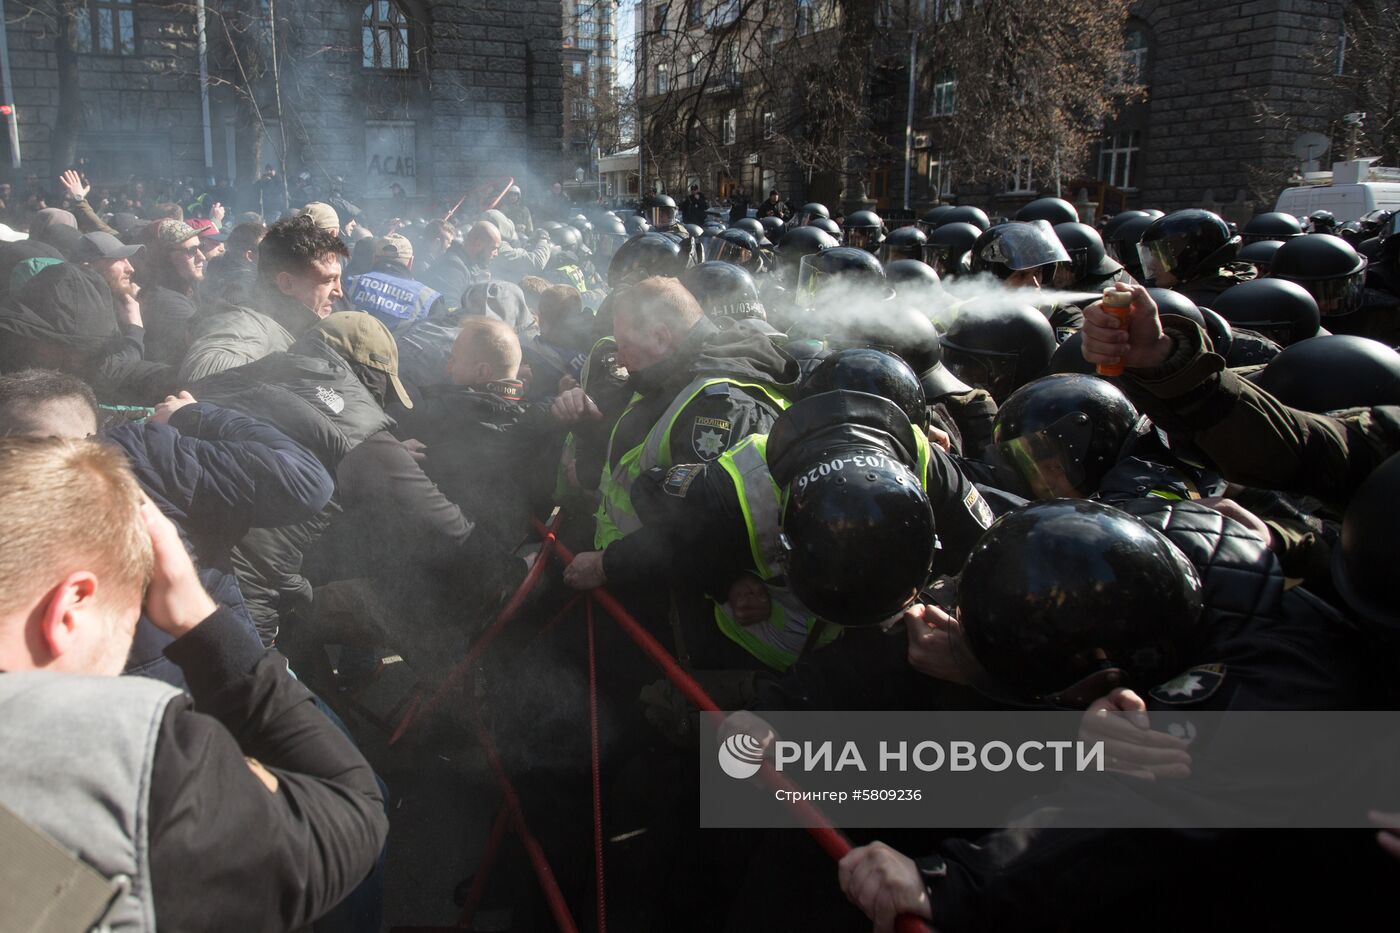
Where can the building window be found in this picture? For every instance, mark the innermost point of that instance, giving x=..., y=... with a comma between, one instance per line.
x=659, y=19
x=940, y=177
x=696, y=61
x=1135, y=57
x=770, y=125
x=1118, y=155
x=945, y=95
x=772, y=40
x=1022, y=178
x=806, y=17
x=697, y=12
x=384, y=37
x=731, y=126
x=947, y=11
x=576, y=69
x=663, y=79
x=107, y=27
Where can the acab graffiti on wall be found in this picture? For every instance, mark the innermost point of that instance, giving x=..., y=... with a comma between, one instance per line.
x=391, y=157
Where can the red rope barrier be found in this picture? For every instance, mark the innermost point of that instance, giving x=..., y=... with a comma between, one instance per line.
x=483, y=872
x=597, y=778
x=511, y=800
x=832, y=841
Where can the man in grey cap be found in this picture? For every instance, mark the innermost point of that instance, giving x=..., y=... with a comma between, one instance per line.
x=111, y=259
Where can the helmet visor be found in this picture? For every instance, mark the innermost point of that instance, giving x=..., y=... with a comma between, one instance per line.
x=1021, y=246
x=661, y=216
x=866, y=238
x=724, y=251
x=810, y=281
x=1157, y=257
x=1340, y=295
x=1051, y=462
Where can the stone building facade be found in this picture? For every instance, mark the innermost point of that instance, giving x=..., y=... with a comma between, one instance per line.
x=1230, y=86
x=435, y=98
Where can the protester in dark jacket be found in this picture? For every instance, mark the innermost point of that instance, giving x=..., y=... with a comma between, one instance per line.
x=212, y=471
x=695, y=208
x=63, y=319
x=233, y=277
x=170, y=278
x=487, y=449
x=465, y=264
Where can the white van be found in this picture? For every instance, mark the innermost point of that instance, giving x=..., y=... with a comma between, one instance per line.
x=1350, y=190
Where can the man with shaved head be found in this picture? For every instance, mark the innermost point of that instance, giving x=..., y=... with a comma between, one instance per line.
x=465, y=264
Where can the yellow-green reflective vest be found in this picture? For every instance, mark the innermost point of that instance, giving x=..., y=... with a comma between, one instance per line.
x=779, y=641
x=616, y=515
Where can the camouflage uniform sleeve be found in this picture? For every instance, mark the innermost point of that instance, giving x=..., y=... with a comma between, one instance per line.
x=1254, y=438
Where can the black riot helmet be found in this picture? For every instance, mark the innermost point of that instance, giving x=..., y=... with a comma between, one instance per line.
x=1219, y=331
x=1170, y=302
x=1186, y=244
x=735, y=246
x=1062, y=601
x=1279, y=309
x=1328, y=267
x=1008, y=248
x=1332, y=372
x=859, y=535
x=724, y=290
x=1363, y=567
x=865, y=230
x=1122, y=217
x=809, y=213
x=845, y=264
x=1063, y=433
x=949, y=246
x=1271, y=225
x=753, y=228
x=998, y=347
x=1260, y=254
x=967, y=215
x=1052, y=210
x=772, y=227
x=933, y=218
x=911, y=278
x=636, y=225
x=1121, y=239
x=644, y=256
x=1088, y=259
x=661, y=210
x=827, y=225
x=797, y=243
x=875, y=372
x=904, y=243
x=1321, y=222
x=900, y=329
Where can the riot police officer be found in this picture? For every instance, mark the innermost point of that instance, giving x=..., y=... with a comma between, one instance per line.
x=1193, y=252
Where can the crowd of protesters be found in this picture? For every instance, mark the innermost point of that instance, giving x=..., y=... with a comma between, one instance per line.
x=248, y=454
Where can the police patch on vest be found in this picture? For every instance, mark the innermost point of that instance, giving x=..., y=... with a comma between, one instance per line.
x=710, y=437
x=1195, y=685
x=331, y=399
x=678, y=479
x=979, y=508
x=1064, y=333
